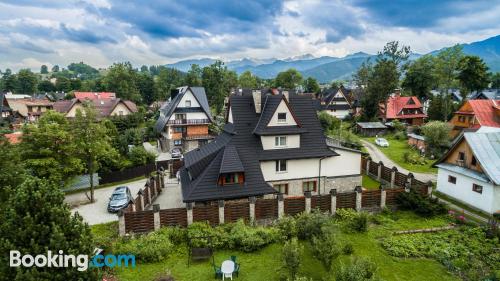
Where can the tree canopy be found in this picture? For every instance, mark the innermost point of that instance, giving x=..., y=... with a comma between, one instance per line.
x=288, y=79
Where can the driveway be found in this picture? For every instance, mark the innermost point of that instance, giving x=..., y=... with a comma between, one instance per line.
x=97, y=212
x=378, y=155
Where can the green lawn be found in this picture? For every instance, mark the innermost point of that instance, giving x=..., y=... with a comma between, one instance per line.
x=265, y=264
x=370, y=183
x=395, y=152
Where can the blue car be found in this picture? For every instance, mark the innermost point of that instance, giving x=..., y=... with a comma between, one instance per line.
x=120, y=199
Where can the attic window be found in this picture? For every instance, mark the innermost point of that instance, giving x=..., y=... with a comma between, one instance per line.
x=231, y=178
x=187, y=103
x=282, y=117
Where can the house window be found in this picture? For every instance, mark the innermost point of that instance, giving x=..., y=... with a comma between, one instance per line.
x=120, y=112
x=187, y=103
x=280, y=141
x=461, y=156
x=231, y=178
x=473, y=161
x=282, y=117
x=180, y=116
x=477, y=188
x=280, y=165
x=281, y=188
x=179, y=129
x=309, y=186
x=452, y=179
x=177, y=142
x=461, y=119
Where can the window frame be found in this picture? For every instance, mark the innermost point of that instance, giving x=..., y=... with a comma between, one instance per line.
x=315, y=185
x=278, y=187
x=187, y=103
x=477, y=188
x=178, y=142
x=461, y=156
x=279, y=166
x=281, y=120
x=278, y=141
x=473, y=161
x=452, y=179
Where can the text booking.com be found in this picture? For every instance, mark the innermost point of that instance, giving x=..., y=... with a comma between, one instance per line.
x=81, y=262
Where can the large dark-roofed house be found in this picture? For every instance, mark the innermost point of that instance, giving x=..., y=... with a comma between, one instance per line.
x=270, y=144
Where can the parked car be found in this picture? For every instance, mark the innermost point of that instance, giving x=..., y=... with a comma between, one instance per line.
x=119, y=199
x=176, y=152
x=381, y=142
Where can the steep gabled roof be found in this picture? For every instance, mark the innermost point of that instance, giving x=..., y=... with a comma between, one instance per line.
x=94, y=95
x=484, y=111
x=168, y=108
x=396, y=104
x=231, y=162
x=270, y=105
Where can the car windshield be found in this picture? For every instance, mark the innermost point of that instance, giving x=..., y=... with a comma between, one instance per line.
x=120, y=196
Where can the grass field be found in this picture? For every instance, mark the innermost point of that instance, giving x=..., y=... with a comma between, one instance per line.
x=370, y=183
x=265, y=264
x=396, y=151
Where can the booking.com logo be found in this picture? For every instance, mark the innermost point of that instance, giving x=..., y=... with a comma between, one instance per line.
x=81, y=262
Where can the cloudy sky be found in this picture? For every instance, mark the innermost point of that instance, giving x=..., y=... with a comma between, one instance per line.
x=99, y=32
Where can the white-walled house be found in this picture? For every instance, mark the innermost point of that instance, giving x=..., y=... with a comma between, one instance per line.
x=470, y=171
x=270, y=144
x=336, y=103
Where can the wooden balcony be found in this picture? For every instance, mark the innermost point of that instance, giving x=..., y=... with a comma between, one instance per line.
x=188, y=122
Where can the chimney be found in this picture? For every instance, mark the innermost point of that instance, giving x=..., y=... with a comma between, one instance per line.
x=286, y=95
x=257, y=100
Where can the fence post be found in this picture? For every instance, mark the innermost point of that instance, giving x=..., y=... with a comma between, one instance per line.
x=132, y=204
x=121, y=223
x=307, y=194
x=221, y=211
x=429, y=188
x=379, y=170
x=156, y=216
x=409, y=182
x=251, y=201
x=140, y=196
x=393, y=176
x=368, y=166
x=148, y=186
x=358, y=191
x=333, y=201
x=383, y=196
x=189, y=209
x=281, y=206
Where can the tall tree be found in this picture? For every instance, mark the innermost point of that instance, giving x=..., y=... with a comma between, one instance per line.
x=121, y=79
x=473, y=73
x=311, y=85
x=144, y=68
x=437, y=137
x=46, y=86
x=92, y=141
x=146, y=86
x=446, y=71
x=9, y=81
x=247, y=80
x=55, y=68
x=217, y=81
x=167, y=79
x=26, y=82
x=63, y=84
x=288, y=79
x=35, y=220
x=49, y=150
x=12, y=172
x=44, y=69
x=361, y=76
x=495, y=80
x=419, y=78
x=193, y=77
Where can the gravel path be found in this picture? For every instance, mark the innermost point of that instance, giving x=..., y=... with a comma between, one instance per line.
x=378, y=155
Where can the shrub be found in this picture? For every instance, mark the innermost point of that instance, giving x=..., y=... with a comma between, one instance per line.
x=325, y=248
x=290, y=256
x=140, y=156
x=357, y=270
x=398, y=126
x=152, y=247
x=309, y=225
x=426, y=207
x=287, y=227
x=400, y=135
x=356, y=221
x=347, y=249
x=328, y=122
x=412, y=157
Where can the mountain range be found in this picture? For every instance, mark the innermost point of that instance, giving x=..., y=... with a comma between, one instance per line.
x=326, y=68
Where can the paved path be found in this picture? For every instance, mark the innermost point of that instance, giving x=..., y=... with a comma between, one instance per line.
x=378, y=155
x=97, y=212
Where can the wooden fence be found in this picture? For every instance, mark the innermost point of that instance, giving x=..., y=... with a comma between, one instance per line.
x=389, y=176
x=127, y=174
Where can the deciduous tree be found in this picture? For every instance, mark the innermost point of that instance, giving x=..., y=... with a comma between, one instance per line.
x=473, y=74
x=121, y=79
x=311, y=85
x=437, y=136
x=446, y=71
x=247, y=80
x=193, y=76
x=288, y=79
x=419, y=78
x=26, y=82
x=44, y=69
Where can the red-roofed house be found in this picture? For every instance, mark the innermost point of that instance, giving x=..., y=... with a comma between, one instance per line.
x=474, y=114
x=94, y=95
x=408, y=110
x=14, y=138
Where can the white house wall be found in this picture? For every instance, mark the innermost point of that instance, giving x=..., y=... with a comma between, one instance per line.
x=230, y=116
x=120, y=107
x=282, y=108
x=268, y=142
x=341, y=114
x=462, y=191
x=192, y=115
x=188, y=96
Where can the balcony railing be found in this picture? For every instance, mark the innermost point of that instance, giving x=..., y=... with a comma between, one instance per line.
x=188, y=121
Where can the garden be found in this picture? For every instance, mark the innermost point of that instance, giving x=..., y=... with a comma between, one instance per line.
x=348, y=246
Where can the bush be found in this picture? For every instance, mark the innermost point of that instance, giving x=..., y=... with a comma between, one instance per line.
x=328, y=122
x=287, y=227
x=357, y=270
x=139, y=156
x=356, y=221
x=290, y=255
x=309, y=225
x=423, y=206
x=398, y=126
x=325, y=248
x=400, y=135
x=152, y=247
x=360, y=222
x=348, y=249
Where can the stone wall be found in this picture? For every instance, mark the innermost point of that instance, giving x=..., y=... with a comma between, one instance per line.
x=341, y=184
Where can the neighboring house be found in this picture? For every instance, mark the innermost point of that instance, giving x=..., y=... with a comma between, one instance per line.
x=354, y=97
x=336, y=103
x=370, y=129
x=184, y=120
x=470, y=171
x=270, y=144
x=476, y=113
x=28, y=108
x=5, y=110
x=417, y=141
x=487, y=94
x=104, y=107
x=94, y=95
x=408, y=110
